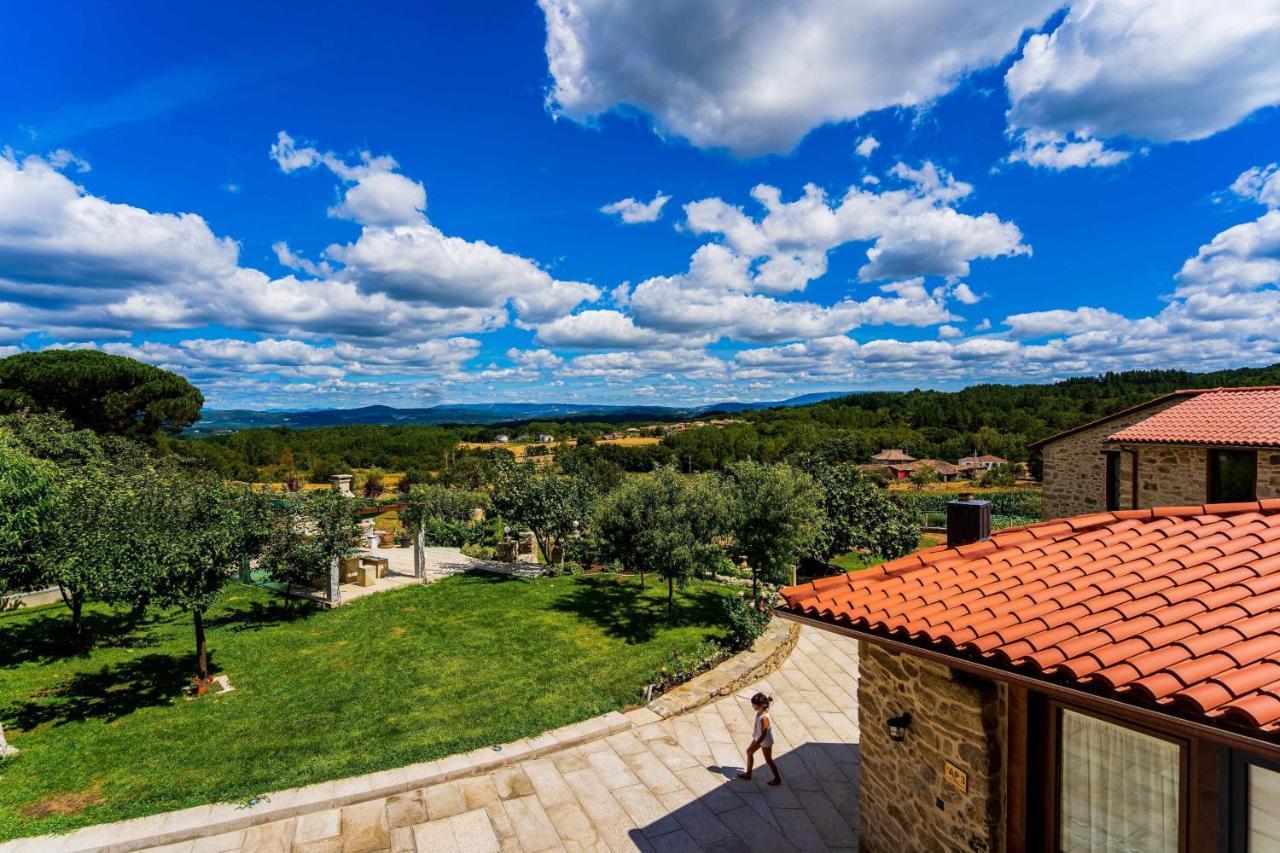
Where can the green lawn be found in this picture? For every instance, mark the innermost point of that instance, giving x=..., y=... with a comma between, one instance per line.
x=388, y=680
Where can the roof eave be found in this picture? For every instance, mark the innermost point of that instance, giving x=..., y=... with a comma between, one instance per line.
x=1219, y=729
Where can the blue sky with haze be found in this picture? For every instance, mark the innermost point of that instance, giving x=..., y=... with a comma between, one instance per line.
x=578, y=200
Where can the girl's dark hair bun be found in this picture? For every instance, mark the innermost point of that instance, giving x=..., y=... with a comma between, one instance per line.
x=762, y=700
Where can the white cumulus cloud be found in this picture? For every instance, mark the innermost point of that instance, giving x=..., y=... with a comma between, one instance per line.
x=755, y=76
x=1160, y=70
x=632, y=212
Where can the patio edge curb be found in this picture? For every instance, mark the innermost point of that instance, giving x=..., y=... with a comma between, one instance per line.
x=203, y=821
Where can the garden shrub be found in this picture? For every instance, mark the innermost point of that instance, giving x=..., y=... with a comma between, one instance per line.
x=745, y=618
x=678, y=667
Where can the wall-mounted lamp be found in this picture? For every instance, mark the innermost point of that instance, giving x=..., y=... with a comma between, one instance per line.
x=898, y=726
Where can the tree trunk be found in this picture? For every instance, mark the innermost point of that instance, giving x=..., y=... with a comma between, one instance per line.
x=671, y=597
x=755, y=584
x=202, y=658
x=75, y=602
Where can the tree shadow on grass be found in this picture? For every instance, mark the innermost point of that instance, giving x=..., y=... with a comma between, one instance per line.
x=621, y=608
x=44, y=635
x=105, y=694
x=254, y=615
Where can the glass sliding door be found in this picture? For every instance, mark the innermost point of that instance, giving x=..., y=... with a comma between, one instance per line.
x=1118, y=788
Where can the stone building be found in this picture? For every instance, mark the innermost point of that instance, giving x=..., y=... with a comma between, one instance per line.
x=1185, y=448
x=1105, y=682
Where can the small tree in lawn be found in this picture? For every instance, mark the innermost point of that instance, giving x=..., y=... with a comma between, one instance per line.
x=663, y=523
x=88, y=550
x=922, y=475
x=690, y=518
x=549, y=503
x=210, y=528
x=775, y=514
x=857, y=515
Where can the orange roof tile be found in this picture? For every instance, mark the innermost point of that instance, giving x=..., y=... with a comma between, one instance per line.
x=1248, y=417
x=1175, y=609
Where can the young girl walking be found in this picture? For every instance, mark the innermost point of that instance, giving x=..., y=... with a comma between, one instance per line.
x=762, y=739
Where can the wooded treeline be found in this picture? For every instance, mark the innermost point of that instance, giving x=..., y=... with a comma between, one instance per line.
x=988, y=418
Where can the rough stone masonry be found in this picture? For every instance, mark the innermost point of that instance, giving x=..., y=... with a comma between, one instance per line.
x=905, y=798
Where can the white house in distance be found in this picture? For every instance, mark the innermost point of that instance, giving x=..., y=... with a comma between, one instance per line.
x=502, y=438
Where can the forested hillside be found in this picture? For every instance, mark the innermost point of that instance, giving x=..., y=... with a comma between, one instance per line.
x=998, y=419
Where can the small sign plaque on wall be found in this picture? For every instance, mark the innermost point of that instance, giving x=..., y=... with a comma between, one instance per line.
x=955, y=777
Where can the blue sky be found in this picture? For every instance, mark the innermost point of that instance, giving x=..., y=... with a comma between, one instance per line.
x=403, y=205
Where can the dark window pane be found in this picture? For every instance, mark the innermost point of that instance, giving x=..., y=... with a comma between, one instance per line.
x=1232, y=475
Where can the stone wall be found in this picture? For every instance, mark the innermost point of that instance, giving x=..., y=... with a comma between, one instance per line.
x=1075, y=469
x=905, y=802
x=1268, y=474
x=1172, y=476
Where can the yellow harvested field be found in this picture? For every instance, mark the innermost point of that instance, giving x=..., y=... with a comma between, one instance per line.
x=631, y=440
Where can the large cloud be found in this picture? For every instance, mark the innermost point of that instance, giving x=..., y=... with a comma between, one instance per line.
x=403, y=255
x=731, y=287
x=1160, y=70
x=755, y=76
x=78, y=266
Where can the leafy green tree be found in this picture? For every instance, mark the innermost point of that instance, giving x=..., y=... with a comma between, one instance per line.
x=210, y=528
x=28, y=492
x=434, y=502
x=549, y=503
x=922, y=475
x=305, y=535
x=775, y=514
x=665, y=523
x=101, y=392
x=857, y=515
x=1004, y=474
x=92, y=548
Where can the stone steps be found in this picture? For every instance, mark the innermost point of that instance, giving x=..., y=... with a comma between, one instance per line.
x=468, y=832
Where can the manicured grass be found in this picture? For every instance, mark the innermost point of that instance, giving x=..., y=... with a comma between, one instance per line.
x=855, y=560
x=388, y=680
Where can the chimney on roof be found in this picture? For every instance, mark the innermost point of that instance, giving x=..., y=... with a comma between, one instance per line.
x=968, y=521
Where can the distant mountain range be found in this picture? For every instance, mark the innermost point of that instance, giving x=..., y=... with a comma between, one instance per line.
x=214, y=421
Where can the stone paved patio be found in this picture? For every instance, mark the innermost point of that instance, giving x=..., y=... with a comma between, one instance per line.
x=662, y=785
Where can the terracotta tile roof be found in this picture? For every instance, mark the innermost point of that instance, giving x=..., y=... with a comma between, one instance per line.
x=1175, y=609
x=1233, y=416
x=982, y=460
x=893, y=455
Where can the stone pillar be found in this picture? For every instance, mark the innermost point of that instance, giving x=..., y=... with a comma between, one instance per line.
x=419, y=558
x=941, y=787
x=5, y=749
x=340, y=483
x=333, y=594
